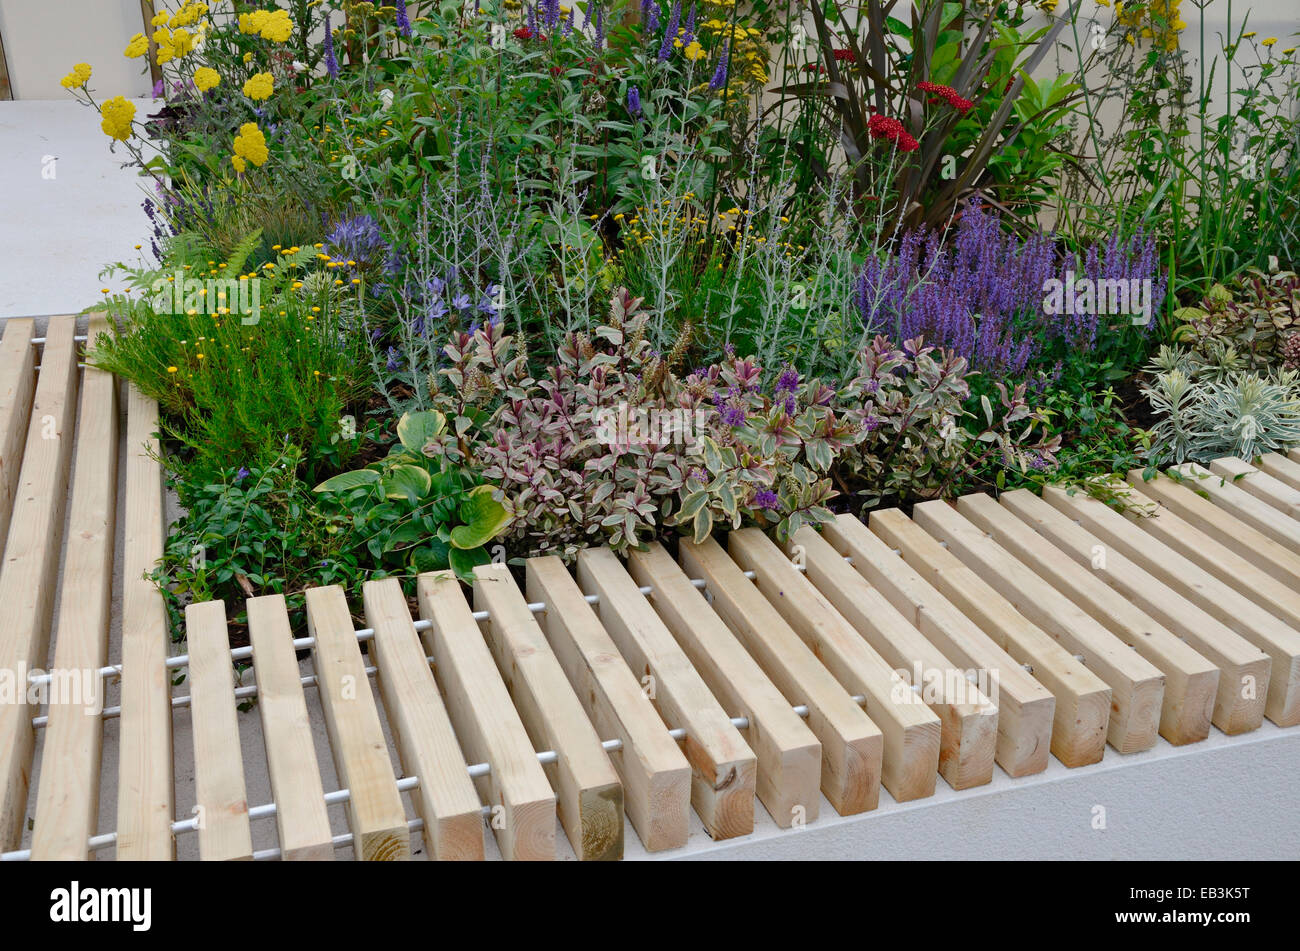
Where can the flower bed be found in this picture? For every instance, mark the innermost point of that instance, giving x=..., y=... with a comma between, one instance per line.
x=436, y=286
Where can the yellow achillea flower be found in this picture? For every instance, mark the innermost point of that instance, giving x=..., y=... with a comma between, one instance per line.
x=250, y=145
x=270, y=25
x=205, y=77
x=259, y=86
x=1270, y=41
x=117, y=114
x=693, y=51
x=78, y=78
x=138, y=46
x=160, y=19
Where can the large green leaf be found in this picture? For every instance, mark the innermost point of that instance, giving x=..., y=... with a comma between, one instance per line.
x=483, y=518
x=348, y=480
x=415, y=430
x=432, y=556
x=406, y=482
x=463, y=561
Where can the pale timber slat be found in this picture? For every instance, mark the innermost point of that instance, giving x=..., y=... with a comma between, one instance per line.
x=1083, y=700
x=656, y=775
x=852, y=745
x=445, y=799
x=67, y=802
x=1137, y=685
x=722, y=766
x=1245, y=506
x=145, y=790
x=789, y=756
x=1256, y=605
x=1145, y=598
x=220, y=792
x=375, y=812
x=1025, y=707
x=17, y=383
x=969, y=719
x=1280, y=467
x=1260, y=484
x=911, y=732
x=489, y=729
x=1249, y=544
x=589, y=796
x=29, y=570
x=300, y=814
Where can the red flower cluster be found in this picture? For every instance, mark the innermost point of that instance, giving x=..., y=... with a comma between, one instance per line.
x=845, y=56
x=948, y=94
x=523, y=33
x=883, y=127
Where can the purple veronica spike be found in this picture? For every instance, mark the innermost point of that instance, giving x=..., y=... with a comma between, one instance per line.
x=550, y=13
x=689, y=38
x=532, y=19
x=403, y=21
x=568, y=23
x=650, y=13
x=670, y=32
x=720, y=74
x=331, y=63
x=600, y=27
x=634, y=101
x=586, y=15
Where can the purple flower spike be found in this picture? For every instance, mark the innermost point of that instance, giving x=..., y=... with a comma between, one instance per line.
x=689, y=38
x=765, y=499
x=331, y=63
x=670, y=32
x=720, y=74
x=600, y=27
x=403, y=21
x=634, y=101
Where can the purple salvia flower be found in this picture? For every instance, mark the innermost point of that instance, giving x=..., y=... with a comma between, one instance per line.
x=765, y=499
x=403, y=21
x=331, y=63
x=634, y=101
x=550, y=13
x=670, y=32
x=393, y=363
x=720, y=74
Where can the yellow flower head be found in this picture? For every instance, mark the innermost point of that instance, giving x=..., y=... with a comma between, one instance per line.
x=1270, y=41
x=259, y=86
x=693, y=51
x=278, y=27
x=78, y=78
x=117, y=114
x=238, y=162
x=250, y=144
x=138, y=46
x=205, y=78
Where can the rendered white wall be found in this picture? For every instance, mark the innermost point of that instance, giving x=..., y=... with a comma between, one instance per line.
x=44, y=38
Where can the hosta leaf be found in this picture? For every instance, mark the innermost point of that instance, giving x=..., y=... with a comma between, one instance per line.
x=348, y=480
x=483, y=518
x=432, y=556
x=465, y=560
x=406, y=482
x=415, y=430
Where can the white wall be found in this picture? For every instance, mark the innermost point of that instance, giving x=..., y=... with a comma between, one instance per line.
x=44, y=38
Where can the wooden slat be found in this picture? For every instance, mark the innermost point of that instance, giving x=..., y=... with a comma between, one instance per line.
x=29, y=570
x=911, y=732
x=1190, y=500
x=788, y=755
x=375, y=812
x=1260, y=484
x=1285, y=470
x=589, y=796
x=852, y=745
x=487, y=725
x=67, y=802
x=723, y=767
x=220, y=792
x=1249, y=601
x=1239, y=662
x=969, y=719
x=445, y=799
x=17, y=383
x=1025, y=707
x=1243, y=505
x=300, y=814
x=145, y=791
x=1019, y=563
x=656, y=775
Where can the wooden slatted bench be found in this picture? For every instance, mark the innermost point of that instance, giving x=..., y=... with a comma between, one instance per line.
x=585, y=710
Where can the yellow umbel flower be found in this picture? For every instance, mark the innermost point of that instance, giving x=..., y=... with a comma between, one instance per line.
x=278, y=27
x=78, y=78
x=250, y=144
x=238, y=162
x=117, y=114
x=252, y=22
x=205, y=78
x=138, y=46
x=1269, y=42
x=259, y=86
x=182, y=43
x=160, y=19
x=693, y=51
